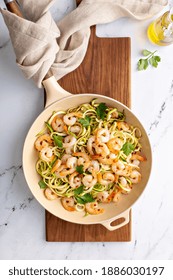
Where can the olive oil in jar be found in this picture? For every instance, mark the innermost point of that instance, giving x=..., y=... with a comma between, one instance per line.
x=160, y=31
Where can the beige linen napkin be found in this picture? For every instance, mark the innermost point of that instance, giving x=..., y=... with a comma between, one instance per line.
x=40, y=44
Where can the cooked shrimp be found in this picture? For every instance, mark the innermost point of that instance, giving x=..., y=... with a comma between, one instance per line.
x=106, y=167
x=49, y=194
x=124, y=185
x=70, y=119
x=114, y=114
x=118, y=168
x=102, y=196
x=128, y=169
x=80, y=161
x=135, y=162
x=90, y=146
x=58, y=171
x=46, y=154
x=106, y=179
x=75, y=129
x=89, y=180
x=115, y=144
x=75, y=180
x=102, y=149
x=138, y=157
x=135, y=177
x=123, y=126
x=109, y=159
x=71, y=162
x=58, y=124
x=65, y=157
x=83, y=159
x=43, y=141
x=102, y=135
x=110, y=197
x=69, y=141
x=68, y=203
x=56, y=165
x=94, y=166
x=113, y=196
x=66, y=171
x=117, y=195
x=92, y=208
x=116, y=178
x=123, y=181
x=69, y=150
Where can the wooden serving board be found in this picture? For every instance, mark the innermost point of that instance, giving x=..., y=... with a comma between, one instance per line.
x=105, y=70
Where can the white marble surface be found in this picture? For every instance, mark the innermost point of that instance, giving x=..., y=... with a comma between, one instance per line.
x=22, y=219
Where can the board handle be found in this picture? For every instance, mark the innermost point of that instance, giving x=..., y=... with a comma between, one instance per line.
x=78, y=2
x=13, y=7
x=126, y=218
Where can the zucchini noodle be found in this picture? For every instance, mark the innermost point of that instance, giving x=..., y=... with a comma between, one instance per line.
x=88, y=155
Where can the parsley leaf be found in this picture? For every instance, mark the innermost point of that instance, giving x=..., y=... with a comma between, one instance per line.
x=127, y=148
x=146, y=52
x=142, y=64
x=157, y=58
x=82, y=199
x=85, y=121
x=101, y=111
x=78, y=190
x=154, y=61
x=79, y=200
x=42, y=184
x=79, y=169
x=58, y=140
x=85, y=198
x=151, y=59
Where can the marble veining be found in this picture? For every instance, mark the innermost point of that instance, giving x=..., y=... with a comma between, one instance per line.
x=163, y=107
x=14, y=170
x=22, y=218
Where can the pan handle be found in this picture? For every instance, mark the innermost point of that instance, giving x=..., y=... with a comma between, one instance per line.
x=125, y=215
x=54, y=91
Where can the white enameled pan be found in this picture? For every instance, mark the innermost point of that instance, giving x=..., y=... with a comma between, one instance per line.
x=59, y=99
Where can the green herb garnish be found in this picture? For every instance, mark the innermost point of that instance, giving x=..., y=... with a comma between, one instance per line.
x=58, y=140
x=85, y=121
x=78, y=190
x=150, y=59
x=42, y=184
x=101, y=111
x=85, y=198
x=79, y=169
x=127, y=148
x=154, y=60
x=142, y=64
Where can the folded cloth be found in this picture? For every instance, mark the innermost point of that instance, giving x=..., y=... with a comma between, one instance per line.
x=40, y=43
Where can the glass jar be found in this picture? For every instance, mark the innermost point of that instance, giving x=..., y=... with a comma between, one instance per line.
x=160, y=31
